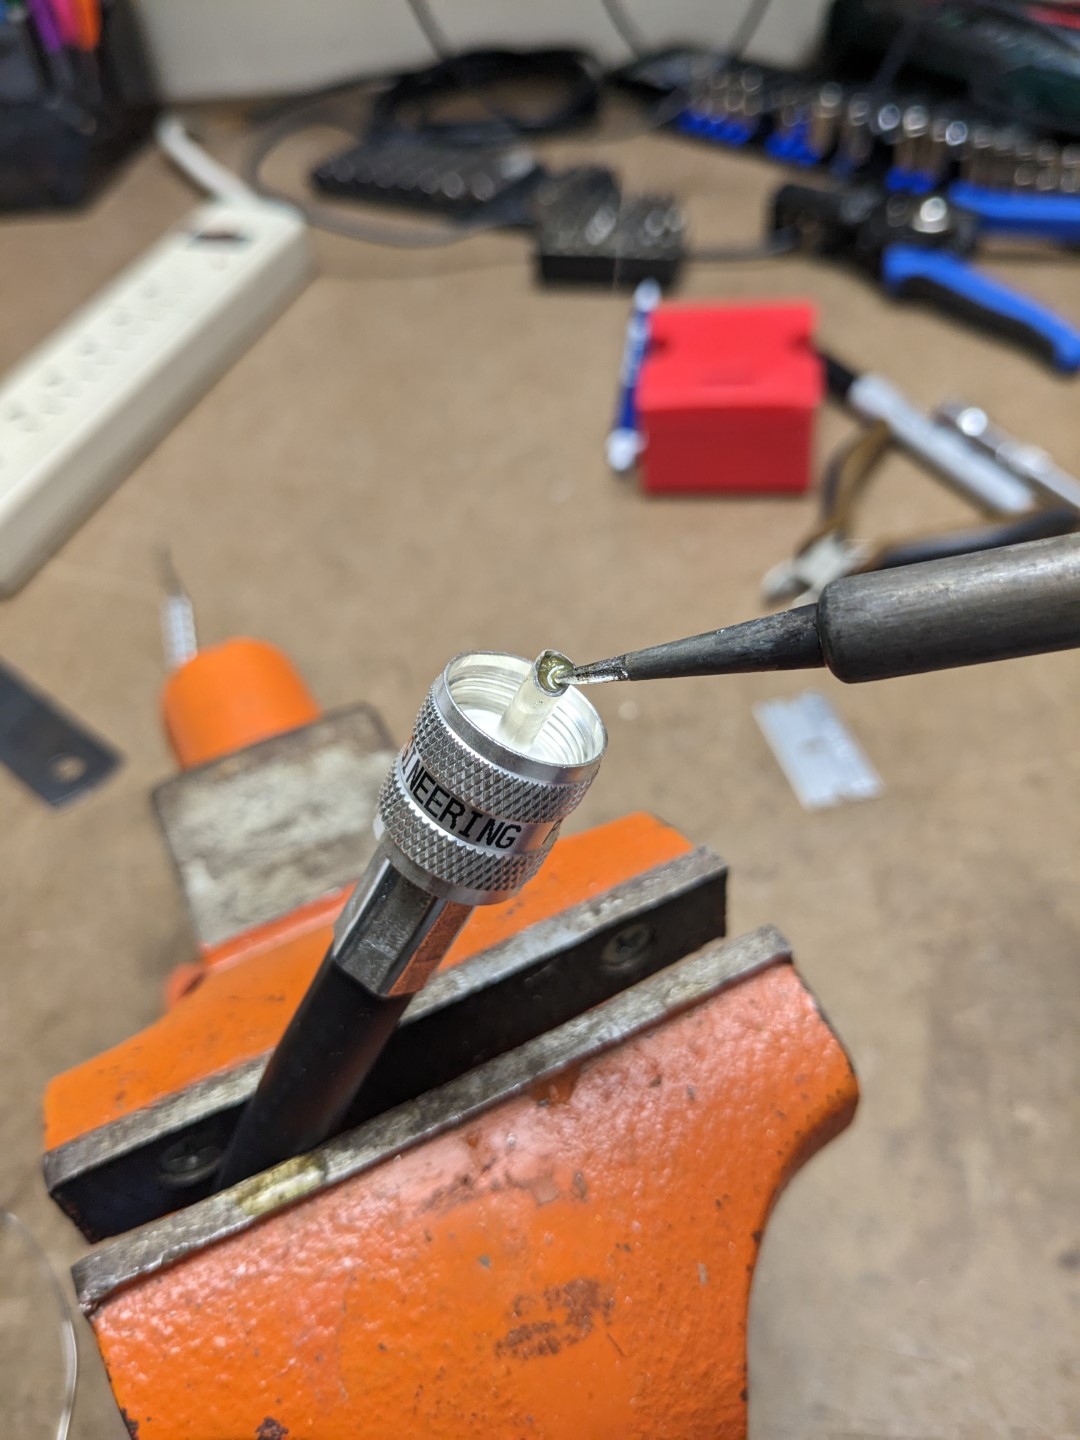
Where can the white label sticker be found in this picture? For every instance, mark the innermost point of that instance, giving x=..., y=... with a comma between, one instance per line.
x=458, y=816
x=823, y=762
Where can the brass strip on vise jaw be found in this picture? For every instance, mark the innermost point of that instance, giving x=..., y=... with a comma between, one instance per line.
x=125, y=1174
x=678, y=987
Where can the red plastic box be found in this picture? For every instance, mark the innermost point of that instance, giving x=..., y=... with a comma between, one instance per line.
x=726, y=399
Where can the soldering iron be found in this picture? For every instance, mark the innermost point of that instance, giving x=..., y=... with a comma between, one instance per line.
x=964, y=610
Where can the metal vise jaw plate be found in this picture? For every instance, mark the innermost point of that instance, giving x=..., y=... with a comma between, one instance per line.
x=261, y=832
x=159, y=1158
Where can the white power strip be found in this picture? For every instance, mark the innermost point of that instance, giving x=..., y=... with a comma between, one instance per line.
x=91, y=401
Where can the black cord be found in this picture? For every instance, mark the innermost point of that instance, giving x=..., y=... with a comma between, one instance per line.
x=1039, y=526
x=897, y=52
x=721, y=60
x=625, y=28
x=839, y=378
x=747, y=29
x=781, y=242
x=430, y=28
x=406, y=106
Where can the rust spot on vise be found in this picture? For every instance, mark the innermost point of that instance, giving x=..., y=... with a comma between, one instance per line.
x=271, y=1429
x=564, y=1315
x=131, y=1426
x=448, y=1197
x=559, y=1089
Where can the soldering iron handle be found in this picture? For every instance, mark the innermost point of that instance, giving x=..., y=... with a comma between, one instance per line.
x=994, y=605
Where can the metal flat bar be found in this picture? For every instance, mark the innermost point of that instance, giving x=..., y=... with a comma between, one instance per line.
x=823, y=762
x=110, y=1179
x=51, y=752
x=679, y=987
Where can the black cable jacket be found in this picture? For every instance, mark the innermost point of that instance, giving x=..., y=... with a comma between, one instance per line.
x=312, y=1077
x=624, y=27
x=472, y=70
x=747, y=28
x=1039, y=526
x=897, y=53
x=781, y=242
x=430, y=28
x=838, y=378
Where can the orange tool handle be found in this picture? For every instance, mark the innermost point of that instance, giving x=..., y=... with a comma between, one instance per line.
x=230, y=696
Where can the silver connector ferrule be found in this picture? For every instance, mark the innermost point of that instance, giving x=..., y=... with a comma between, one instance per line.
x=465, y=813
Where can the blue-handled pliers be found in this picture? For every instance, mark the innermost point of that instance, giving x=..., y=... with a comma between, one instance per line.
x=919, y=247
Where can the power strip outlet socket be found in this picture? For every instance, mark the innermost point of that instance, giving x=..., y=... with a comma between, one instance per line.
x=80, y=412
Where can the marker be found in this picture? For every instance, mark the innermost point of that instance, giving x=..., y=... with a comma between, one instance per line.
x=45, y=24
x=624, y=443
x=67, y=20
x=88, y=17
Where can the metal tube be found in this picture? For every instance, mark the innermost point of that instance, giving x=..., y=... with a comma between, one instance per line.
x=978, y=477
x=1031, y=463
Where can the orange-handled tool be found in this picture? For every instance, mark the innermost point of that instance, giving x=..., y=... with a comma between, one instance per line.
x=230, y=696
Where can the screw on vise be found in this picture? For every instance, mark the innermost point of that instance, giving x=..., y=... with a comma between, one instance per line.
x=497, y=760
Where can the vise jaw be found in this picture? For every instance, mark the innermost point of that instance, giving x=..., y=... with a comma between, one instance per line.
x=545, y=1216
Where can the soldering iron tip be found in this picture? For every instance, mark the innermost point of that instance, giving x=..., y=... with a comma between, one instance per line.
x=600, y=672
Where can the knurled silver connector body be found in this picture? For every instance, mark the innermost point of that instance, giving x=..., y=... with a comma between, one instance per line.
x=466, y=815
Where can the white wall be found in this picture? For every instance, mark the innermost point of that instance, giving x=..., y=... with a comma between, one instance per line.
x=207, y=49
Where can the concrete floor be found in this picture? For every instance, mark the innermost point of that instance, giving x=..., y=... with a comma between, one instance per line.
x=410, y=463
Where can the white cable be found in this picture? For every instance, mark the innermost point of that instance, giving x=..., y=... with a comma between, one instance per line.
x=201, y=168
x=67, y=1329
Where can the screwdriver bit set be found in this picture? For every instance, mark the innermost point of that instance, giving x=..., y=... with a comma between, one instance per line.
x=915, y=142
x=588, y=231
x=458, y=181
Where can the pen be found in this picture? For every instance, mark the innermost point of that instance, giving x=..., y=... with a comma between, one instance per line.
x=45, y=24
x=624, y=442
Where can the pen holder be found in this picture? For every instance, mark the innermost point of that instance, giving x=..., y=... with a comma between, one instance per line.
x=69, y=113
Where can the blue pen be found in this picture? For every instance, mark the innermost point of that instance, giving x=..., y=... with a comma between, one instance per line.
x=624, y=442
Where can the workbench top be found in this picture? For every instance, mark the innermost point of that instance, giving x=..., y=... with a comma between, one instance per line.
x=411, y=463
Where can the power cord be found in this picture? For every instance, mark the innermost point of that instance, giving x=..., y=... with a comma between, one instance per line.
x=717, y=61
x=748, y=27
x=201, y=169
x=26, y=1237
x=222, y=183
x=431, y=30
x=625, y=28
x=781, y=242
x=408, y=105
